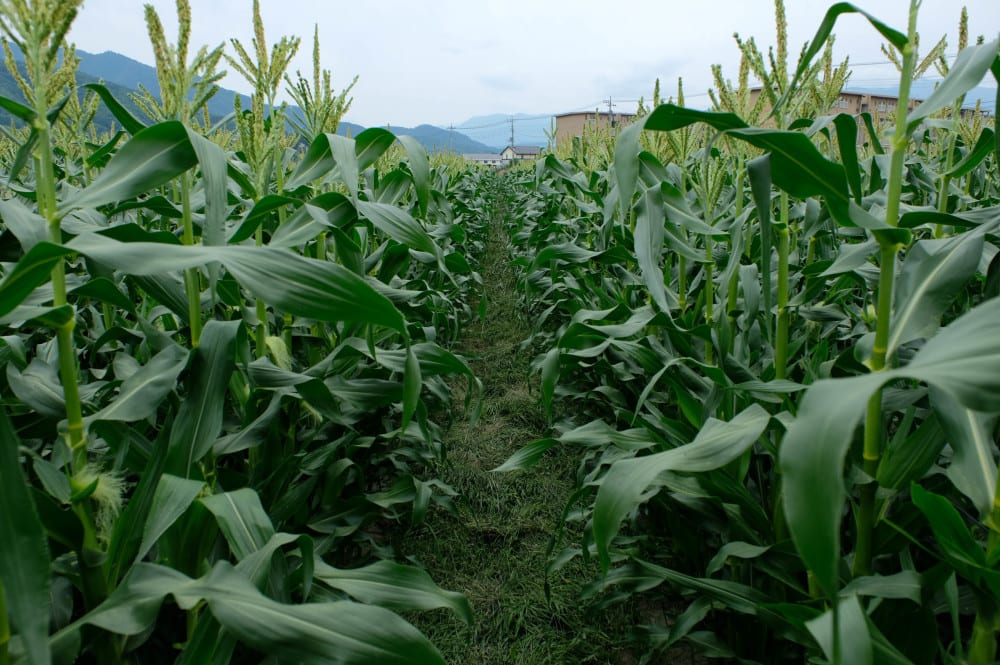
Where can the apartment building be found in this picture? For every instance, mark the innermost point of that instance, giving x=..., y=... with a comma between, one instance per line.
x=569, y=125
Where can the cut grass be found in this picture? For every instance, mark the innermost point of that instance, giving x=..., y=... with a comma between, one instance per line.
x=494, y=547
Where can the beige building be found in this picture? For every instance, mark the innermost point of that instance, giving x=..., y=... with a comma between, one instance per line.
x=569, y=125
x=878, y=105
x=881, y=107
x=513, y=153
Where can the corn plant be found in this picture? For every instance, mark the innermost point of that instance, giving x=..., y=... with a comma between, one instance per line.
x=717, y=440
x=321, y=108
x=167, y=495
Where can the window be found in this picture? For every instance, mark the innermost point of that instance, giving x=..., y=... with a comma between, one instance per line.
x=843, y=102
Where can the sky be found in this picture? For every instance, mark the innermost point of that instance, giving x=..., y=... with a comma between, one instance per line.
x=443, y=62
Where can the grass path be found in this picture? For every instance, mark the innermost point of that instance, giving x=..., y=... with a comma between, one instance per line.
x=494, y=548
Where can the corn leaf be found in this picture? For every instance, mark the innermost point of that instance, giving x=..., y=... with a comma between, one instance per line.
x=242, y=520
x=394, y=586
x=337, y=633
x=199, y=419
x=24, y=557
x=623, y=488
x=142, y=392
x=173, y=496
x=301, y=286
x=153, y=157
x=962, y=360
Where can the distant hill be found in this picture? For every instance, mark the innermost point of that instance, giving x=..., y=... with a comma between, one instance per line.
x=124, y=71
x=435, y=139
x=119, y=69
x=123, y=75
x=494, y=130
x=443, y=140
x=103, y=120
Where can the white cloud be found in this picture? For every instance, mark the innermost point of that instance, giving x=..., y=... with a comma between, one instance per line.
x=443, y=61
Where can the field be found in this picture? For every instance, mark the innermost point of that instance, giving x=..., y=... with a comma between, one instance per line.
x=723, y=385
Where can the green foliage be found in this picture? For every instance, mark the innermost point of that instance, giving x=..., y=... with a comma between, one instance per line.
x=791, y=364
x=174, y=497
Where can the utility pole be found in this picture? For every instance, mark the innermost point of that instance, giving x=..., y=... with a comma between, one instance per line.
x=512, y=132
x=611, y=115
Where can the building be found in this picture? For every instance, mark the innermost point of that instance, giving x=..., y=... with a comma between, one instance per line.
x=485, y=158
x=514, y=153
x=569, y=125
x=882, y=108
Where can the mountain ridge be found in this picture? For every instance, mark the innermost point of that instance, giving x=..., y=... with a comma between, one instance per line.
x=123, y=75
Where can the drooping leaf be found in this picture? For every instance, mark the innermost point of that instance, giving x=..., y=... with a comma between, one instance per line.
x=104, y=290
x=952, y=535
x=121, y=114
x=242, y=520
x=668, y=117
x=33, y=270
x=396, y=587
x=39, y=387
x=894, y=37
x=371, y=144
x=142, y=392
x=311, y=288
x=17, y=109
x=965, y=73
x=528, y=456
x=316, y=163
x=260, y=211
x=737, y=549
x=963, y=359
x=398, y=225
x=151, y=158
x=24, y=557
x=28, y=227
x=847, y=142
x=172, y=497
x=338, y=633
x=797, y=166
x=214, y=169
x=716, y=444
x=973, y=467
x=933, y=273
x=904, y=584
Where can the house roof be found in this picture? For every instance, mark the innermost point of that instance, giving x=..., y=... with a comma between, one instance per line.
x=619, y=114
x=524, y=149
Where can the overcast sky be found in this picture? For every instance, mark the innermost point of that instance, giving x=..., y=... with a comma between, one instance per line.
x=444, y=61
